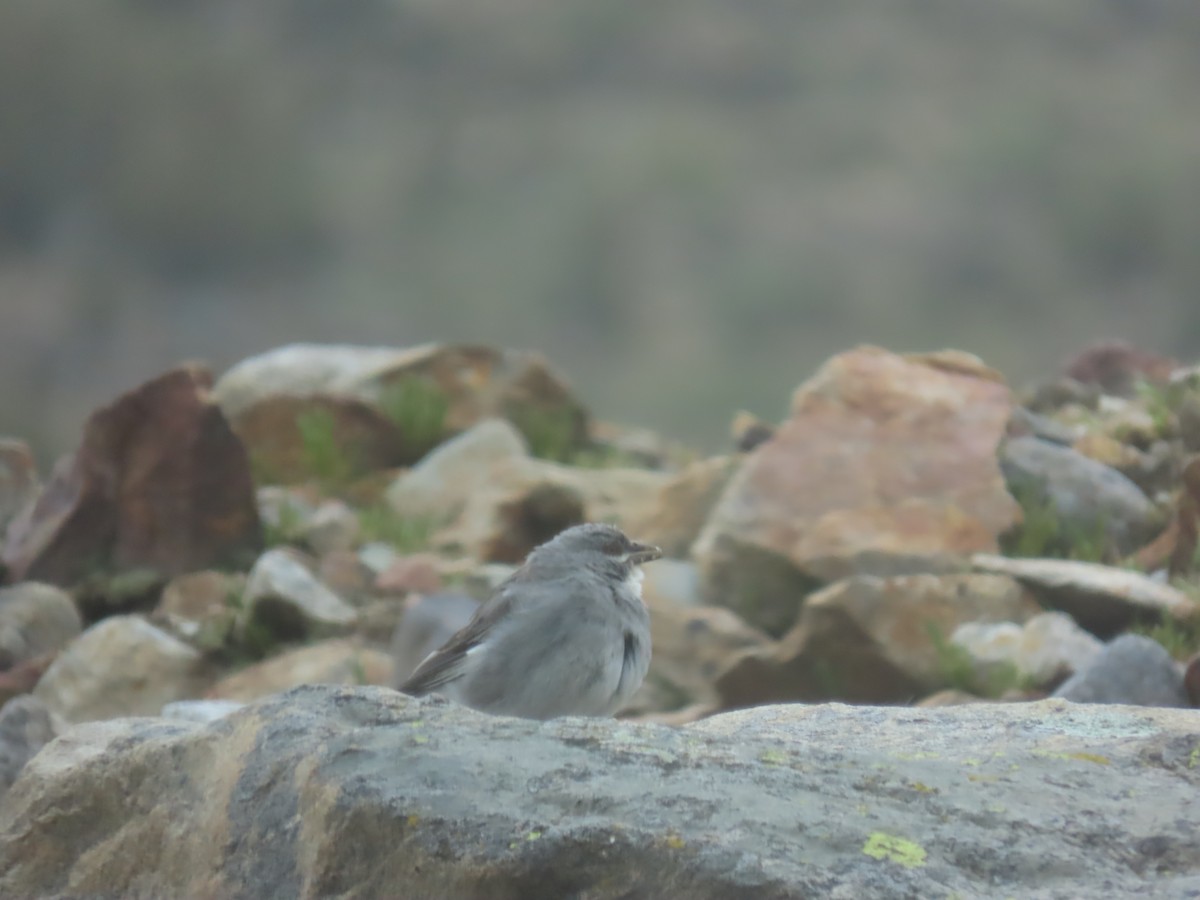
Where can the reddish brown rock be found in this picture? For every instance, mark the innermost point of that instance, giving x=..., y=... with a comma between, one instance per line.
x=160, y=483
x=286, y=435
x=344, y=573
x=427, y=393
x=24, y=676
x=886, y=465
x=418, y=573
x=18, y=479
x=1115, y=366
x=872, y=640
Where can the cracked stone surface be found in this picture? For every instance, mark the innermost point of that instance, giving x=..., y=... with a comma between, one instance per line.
x=329, y=791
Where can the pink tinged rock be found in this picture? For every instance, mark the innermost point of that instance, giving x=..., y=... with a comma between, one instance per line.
x=418, y=573
x=886, y=465
x=159, y=482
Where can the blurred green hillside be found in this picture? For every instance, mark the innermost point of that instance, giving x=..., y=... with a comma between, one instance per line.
x=686, y=205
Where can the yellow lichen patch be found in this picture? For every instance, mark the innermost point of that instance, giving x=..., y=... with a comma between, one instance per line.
x=675, y=842
x=1070, y=757
x=774, y=757
x=1194, y=758
x=1092, y=758
x=922, y=788
x=917, y=755
x=413, y=821
x=900, y=850
x=983, y=779
x=533, y=835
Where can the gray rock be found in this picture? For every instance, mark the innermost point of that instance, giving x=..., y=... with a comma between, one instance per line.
x=1132, y=669
x=26, y=726
x=426, y=625
x=200, y=710
x=1086, y=495
x=377, y=556
x=333, y=526
x=1047, y=429
x=285, y=597
x=362, y=792
x=35, y=619
x=1103, y=599
x=122, y=666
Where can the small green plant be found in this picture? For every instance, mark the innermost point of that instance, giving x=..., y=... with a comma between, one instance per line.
x=599, y=456
x=551, y=433
x=418, y=408
x=1179, y=637
x=263, y=470
x=323, y=455
x=1158, y=402
x=1042, y=533
x=249, y=640
x=382, y=523
x=286, y=527
x=959, y=670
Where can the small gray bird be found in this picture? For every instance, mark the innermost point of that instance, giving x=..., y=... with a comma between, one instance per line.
x=567, y=634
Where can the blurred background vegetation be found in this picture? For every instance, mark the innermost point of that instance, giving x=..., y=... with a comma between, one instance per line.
x=687, y=205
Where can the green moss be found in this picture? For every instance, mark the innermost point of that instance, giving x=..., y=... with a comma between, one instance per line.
x=959, y=670
x=324, y=457
x=1160, y=402
x=418, y=407
x=551, y=433
x=1043, y=534
x=382, y=523
x=263, y=470
x=1180, y=638
x=604, y=456
x=285, y=530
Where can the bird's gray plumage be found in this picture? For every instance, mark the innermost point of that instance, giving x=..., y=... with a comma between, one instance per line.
x=566, y=634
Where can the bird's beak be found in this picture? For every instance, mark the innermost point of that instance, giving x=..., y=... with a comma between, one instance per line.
x=643, y=553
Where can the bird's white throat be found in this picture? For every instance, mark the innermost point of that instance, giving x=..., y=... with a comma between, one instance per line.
x=634, y=581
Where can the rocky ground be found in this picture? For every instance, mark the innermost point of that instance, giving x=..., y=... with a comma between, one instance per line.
x=914, y=533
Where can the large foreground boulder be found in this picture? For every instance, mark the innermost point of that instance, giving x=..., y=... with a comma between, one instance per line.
x=362, y=792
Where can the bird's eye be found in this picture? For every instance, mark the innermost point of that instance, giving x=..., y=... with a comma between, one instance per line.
x=614, y=547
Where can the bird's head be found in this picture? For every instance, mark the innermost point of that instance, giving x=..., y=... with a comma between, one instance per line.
x=599, y=544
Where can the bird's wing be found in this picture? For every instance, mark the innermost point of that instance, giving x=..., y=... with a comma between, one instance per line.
x=446, y=663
